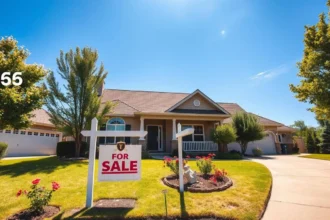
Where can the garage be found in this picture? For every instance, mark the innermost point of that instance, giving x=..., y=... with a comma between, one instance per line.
x=267, y=145
x=29, y=142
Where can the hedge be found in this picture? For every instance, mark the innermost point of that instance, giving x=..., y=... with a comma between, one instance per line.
x=228, y=156
x=68, y=149
x=3, y=149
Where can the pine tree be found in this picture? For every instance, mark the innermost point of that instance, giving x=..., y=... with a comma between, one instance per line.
x=310, y=141
x=325, y=139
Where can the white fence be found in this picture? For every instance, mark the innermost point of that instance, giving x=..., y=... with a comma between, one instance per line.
x=199, y=146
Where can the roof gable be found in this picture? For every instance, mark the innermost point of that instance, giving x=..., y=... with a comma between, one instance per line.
x=206, y=105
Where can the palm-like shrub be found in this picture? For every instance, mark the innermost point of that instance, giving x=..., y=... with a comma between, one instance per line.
x=3, y=149
x=247, y=128
x=223, y=135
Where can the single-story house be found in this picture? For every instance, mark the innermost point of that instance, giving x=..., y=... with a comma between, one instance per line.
x=160, y=112
x=39, y=139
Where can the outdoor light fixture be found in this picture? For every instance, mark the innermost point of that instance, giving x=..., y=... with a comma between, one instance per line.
x=165, y=192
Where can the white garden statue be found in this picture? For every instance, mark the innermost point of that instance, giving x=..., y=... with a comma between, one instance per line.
x=189, y=174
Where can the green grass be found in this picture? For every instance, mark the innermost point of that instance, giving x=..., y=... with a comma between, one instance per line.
x=318, y=156
x=244, y=200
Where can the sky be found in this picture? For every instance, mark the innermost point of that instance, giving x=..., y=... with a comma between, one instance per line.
x=241, y=51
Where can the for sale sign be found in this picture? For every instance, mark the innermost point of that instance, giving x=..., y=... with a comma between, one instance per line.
x=119, y=162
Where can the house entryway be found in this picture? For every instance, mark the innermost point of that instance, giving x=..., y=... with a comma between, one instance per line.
x=154, y=138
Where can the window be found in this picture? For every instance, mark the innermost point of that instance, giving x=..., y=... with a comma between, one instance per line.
x=29, y=133
x=47, y=135
x=198, y=133
x=57, y=135
x=23, y=132
x=35, y=133
x=115, y=124
x=15, y=131
x=52, y=135
x=42, y=134
x=279, y=138
x=8, y=131
x=0, y=131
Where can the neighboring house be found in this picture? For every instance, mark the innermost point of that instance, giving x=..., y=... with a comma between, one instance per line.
x=40, y=139
x=160, y=112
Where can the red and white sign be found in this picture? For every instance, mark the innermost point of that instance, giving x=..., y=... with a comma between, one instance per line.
x=117, y=165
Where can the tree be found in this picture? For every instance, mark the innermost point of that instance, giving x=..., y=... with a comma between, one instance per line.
x=300, y=126
x=223, y=135
x=310, y=140
x=314, y=69
x=17, y=102
x=325, y=139
x=72, y=111
x=247, y=129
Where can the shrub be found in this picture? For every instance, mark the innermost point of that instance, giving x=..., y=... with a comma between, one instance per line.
x=257, y=152
x=295, y=150
x=173, y=164
x=68, y=149
x=204, y=164
x=39, y=196
x=3, y=149
x=175, y=153
x=223, y=135
x=218, y=175
x=146, y=155
x=235, y=152
x=229, y=156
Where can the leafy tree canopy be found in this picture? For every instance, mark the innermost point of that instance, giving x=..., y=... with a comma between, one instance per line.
x=224, y=134
x=314, y=69
x=17, y=102
x=247, y=128
x=72, y=110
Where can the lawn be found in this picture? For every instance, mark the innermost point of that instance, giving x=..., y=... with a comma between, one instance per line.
x=244, y=200
x=318, y=156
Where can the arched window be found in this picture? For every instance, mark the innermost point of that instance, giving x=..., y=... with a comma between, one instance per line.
x=115, y=124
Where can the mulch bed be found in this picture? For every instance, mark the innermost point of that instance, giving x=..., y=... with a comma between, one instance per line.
x=115, y=203
x=203, y=184
x=49, y=211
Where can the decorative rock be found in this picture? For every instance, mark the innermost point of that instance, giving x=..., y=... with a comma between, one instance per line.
x=189, y=174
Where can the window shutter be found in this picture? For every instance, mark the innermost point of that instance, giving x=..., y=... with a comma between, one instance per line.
x=102, y=139
x=128, y=139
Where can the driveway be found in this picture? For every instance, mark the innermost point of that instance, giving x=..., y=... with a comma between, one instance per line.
x=301, y=188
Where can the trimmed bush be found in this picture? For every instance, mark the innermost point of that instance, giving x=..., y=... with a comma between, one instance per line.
x=68, y=149
x=257, y=152
x=146, y=155
x=229, y=156
x=175, y=153
x=3, y=149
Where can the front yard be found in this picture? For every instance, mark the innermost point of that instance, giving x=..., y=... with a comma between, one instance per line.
x=245, y=200
x=318, y=156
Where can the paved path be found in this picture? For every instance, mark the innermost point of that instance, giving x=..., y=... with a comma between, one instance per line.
x=301, y=188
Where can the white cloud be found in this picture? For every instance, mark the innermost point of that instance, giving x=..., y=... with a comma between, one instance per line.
x=223, y=32
x=270, y=73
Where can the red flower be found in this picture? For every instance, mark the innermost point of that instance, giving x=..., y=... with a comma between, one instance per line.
x=55, y=186
x=19, y=193
x=36, y=181
x=198, y=157
x=213, y=179
x=188, y=156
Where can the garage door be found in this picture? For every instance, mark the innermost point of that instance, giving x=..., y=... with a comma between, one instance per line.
x=267, y=146
x=29, y=143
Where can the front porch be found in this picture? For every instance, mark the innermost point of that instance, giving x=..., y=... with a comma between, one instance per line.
x=161, y=135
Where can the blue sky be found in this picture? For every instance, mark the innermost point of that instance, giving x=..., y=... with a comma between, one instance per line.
x=233, y=50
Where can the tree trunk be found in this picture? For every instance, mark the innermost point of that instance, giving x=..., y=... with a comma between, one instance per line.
x=220, y=148
x=225, y=148
x=78, y=145
x=243, y=148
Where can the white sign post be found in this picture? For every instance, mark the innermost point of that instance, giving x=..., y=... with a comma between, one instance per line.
x=93, y=134
x=179, y=136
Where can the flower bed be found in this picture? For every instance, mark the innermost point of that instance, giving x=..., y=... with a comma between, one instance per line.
x=49, y=211
x=203, y=184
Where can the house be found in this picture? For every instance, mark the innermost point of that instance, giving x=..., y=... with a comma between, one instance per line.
x=40, y=139
x=160, y=112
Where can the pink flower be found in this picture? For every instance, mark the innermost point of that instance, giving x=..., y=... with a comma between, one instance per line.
x=36, y=181
x=188, y=156
x=198, y=157
x=55, y=186
x=19, y=193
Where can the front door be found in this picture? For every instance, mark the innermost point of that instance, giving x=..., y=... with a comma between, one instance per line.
x=154, y=138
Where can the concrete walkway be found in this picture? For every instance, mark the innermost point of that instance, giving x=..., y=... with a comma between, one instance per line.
x=301, y=188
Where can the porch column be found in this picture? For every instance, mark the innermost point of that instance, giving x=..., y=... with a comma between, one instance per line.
x=174, y=130
x=141, y=127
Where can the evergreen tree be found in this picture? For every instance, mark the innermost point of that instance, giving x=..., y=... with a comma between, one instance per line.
x=310, y=141
x=18, y=101
x=325, y=139
x=72, y=111
x=314, y=69
x=247, y=129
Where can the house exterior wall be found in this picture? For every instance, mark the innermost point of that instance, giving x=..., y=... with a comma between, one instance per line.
x=204, y=103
